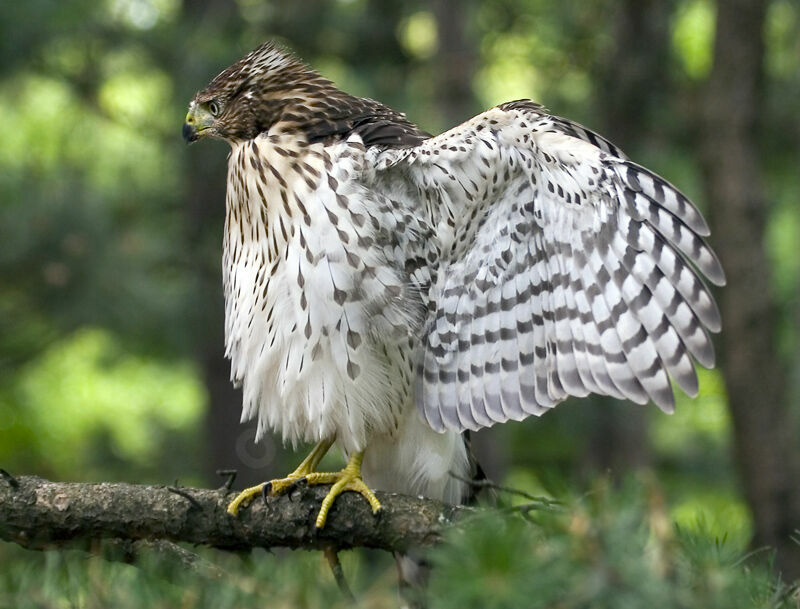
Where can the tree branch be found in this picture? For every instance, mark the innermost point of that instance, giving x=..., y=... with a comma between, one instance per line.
x=39, y=514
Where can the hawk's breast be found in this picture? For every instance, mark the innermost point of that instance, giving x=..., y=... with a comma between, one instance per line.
x=321, y=317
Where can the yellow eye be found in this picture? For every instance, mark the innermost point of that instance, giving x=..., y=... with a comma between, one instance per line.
x=215, y=108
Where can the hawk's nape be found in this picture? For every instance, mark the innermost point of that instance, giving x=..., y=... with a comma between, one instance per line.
x=371, y=271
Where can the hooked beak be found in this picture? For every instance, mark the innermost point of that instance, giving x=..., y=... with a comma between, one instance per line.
x=189, y=132
x=197, y=122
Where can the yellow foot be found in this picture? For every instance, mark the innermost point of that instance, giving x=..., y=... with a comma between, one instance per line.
x=280, y=485
x=271, y=488
x=245, y=497
x=349, y=479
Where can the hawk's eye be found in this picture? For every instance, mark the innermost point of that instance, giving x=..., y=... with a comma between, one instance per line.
x=215, y=108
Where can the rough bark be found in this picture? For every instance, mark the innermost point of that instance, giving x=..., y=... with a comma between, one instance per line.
x=765, y=447
x=39, y=514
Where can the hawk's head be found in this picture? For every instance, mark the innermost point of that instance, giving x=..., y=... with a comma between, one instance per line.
x=267, y=85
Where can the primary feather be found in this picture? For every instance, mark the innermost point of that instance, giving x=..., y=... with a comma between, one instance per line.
x=372, y=271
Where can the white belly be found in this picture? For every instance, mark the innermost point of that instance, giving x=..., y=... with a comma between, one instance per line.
x=321, y=319
x=317, y=322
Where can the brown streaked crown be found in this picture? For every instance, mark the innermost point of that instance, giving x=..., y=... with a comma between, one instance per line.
x=270, y=85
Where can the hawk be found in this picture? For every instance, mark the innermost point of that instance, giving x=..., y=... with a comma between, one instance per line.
x=387, y=290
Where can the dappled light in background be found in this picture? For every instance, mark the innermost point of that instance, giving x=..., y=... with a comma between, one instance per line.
x=693, y=37
x=87, y=401
x=111, y=361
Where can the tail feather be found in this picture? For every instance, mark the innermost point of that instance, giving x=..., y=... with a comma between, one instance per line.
x=414, y=570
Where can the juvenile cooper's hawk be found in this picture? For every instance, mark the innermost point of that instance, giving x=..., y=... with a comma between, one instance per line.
x=386, y=290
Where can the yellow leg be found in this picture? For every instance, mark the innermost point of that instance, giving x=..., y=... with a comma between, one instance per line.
x=277, y=486
x=349, y=479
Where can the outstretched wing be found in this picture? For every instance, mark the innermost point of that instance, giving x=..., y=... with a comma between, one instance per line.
x=565, y=269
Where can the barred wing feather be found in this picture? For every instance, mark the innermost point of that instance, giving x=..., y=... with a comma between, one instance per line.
x=565, y=269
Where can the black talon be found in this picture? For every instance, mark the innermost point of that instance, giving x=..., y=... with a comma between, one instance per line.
x=294, y=486
x=265, y=490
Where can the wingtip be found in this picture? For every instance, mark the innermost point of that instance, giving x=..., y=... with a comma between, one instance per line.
x=697, y=222
x=667, y=409
x=664, y=399
x=688, y=381
x=706, y=355
x=718, y=278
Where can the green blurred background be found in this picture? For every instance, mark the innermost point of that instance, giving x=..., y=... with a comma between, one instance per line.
x=111, y=363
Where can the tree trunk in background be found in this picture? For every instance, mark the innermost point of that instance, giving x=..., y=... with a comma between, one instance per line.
x=632, y=81
x=766, y=449
x=455, y=61
x=229, y=443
